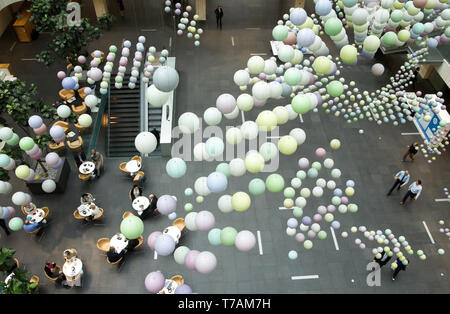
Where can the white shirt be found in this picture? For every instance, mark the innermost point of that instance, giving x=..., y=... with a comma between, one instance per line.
x=404, y=178
x=416, y=189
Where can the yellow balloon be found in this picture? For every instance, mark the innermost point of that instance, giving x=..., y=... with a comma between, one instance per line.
x=287, y=145
x=240, y=201
x=288, y=203
x=254, y=162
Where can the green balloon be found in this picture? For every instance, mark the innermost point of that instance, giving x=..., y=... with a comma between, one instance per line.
x=316, y=165
x=335, y=88
x=228, y=235
x=322, y=235
x=214, y=236
x=180, y=253
x=14, y=140
x=275, y=183
x=333, y=26
x=292, y=76
x=280, y=32
x=298, y=212
x=336, y=200
x=289, y=192
x=188, y=207
x=396, y=16
x=301, y=174
x=15, y=224
x=301, y=104
x=389, y=39
x=353, y=208
x=224, y=168
x=132, y=227
x=26, y=143
x=256, y=186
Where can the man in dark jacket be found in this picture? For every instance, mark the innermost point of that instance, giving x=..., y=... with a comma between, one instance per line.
x=412, y=150
x=383, y=260
x=79, y=157
x=219, y=15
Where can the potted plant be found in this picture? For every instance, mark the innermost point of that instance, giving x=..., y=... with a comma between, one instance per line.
x=19, y=283
x=105, y=21
x=7, y=262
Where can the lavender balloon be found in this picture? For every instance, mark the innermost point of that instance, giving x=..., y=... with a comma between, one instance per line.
x=183, y=289
x=306, y=220
x=226, y=103
x=245, y=241
x=166, y=204
x=154, y=281
x=164, y=245
x=190, y=258
x=151, y=239
x=300, y=237
x=292, y=223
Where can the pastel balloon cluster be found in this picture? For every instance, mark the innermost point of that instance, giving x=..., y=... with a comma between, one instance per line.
x=204, y=262
x=107, y=69
x=21, y=198
x=5, y=187
x=243, y=240
x=53, y=160
x=200, y=221
x=6, y=212
x=37, y=124
x=57, y=133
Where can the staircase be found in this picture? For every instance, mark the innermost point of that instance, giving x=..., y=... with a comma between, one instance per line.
x=124, y=119
x=154, y=121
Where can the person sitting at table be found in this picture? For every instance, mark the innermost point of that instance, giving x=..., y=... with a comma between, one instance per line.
x=87, y=198
x=50, y=269
x=113, y=256
x=70, y=255
x=97, y=159
x=79, y=157
x=29, y=208
x=151, y=209
x=136, y=191
x=32, y=226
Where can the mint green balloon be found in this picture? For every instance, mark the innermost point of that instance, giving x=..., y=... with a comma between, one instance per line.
x=275, y=183
x=132, y=227
x=298, y=212
x=256, y=186
x=228, y=235
x=301, y=175
x=336, y=200
x=176, y=168
x=180, y=253
x=419, y=252
x=292, y=255
x=313, y=173
x=322, y=235
x=301, y=104
x=268, y=150
x=389, y=39
x=335, y=88
x=396, y=16
x=289, y=192
x=13, y=140
x=333, y=26
x=15, y=224
x=292, y=76
x=214, y=236
x=26, y=143
x=316, y=165
x=224, y=168
x=188, y=207
x=353, y=208
x=280, y=32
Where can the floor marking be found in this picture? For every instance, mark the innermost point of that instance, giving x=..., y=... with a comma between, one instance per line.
x=301, y=118
x=148, y=30
x=170, y=42
x=428, y=231
x=258, y=54
x=155, y=255
x=285, y=208
x=334, y=239
x=243, y=117
x=232, y=41
x=28, y=59
x=413, y=133
x=273, y=136
x=253, y=28
x=442, y=200
x=258, y=233
x=305, y=277
x=13, y=45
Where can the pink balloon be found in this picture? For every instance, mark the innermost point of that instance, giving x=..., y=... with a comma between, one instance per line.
x=320, y=152
x=12, y=211
x=40, y=130
x=61, y=75
x=31, y=176
x=154, y=281
x=258, y=103
x=190, y=258
x=38, y=155
x=151, y=239
x=82, y=59
x=33, y=151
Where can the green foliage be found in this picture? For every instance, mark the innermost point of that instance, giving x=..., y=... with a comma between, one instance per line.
x=48, y=112
x=44, y=12
x=19, y=283
x=42, y=141
x=14, y=152
x=105, y=21
x=4, y=176
x=6, y=259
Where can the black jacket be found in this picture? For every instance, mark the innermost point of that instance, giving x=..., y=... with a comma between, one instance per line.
x=77, y=160
x=132, y=197
x=219, y=14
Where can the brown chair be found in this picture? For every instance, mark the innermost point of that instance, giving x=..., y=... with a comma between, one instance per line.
x=76, y=146
x=66, y=94
x=46, y=211
x=79, y=109
x=116, y=262
x=122, y=167
x=35, y=231
x=17, y=262
x=103, y=244
x=77, y=215
x=57, y=270
x=178, y=279
x=23, y=210
x=34, y=279
x=137, y=177
x=81, y=92
x=138, y=158
x=100, y=215
x=102, y=56
x=58, y=148
x=179, y=223
x=141, y=241
x=126, y=214
x=80, y=128
x=84, y=177
x=63, y=124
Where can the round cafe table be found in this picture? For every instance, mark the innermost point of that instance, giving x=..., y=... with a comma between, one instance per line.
x=36, y=216
x=169, y=287
x=140, y=204
x=73, y=271
x=119, y=242
x=87, y=167
x=174, y=232
x=85, y=210
x=30, y=210
x=133, y=166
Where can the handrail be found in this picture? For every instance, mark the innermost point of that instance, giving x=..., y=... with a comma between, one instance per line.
x=109, y=123
x=98, y=122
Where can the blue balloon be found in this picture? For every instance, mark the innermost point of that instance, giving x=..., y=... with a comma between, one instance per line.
x=183, y=289
x=323, y=7
x=217, y=182
x=5, y=213
x=68, y=83
x=298, y=16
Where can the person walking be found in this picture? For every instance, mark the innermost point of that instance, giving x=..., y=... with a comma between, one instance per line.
x=401, y=178
x=3, y=225
x=121, y=8
x=413, y=191
x=412, y=150
x=219, y=15
x=383, y=260
x=401, y=266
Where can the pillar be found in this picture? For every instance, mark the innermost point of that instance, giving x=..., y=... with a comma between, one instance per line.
x=200, y=9
x=100, y=7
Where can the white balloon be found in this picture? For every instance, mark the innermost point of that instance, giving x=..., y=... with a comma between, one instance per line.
x=233, y=114
x=224, y=204
x=200, y=152
x=233, y=136
x=189, y=220
x=249, y=130
x=201, y=186
x=145, y=142
x=188, y=122
x=212, y=116
x=49, y=186
x=237, y=167
x=299, y=135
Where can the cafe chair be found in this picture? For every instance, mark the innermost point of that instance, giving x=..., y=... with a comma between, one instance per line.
x=138, y=158
x=84, y=177
x=57, y=270
x=77, y=215
x=100, y=215
x=46, y=211
x=17, y=262
x=79, y=110
x=178, y=279
x=34, y=279
x=141, y=240
x=179, y=223
x=35, y=231
x=63, y=124
x=103, y=244
x=114, y=263
x=122, y=167
x=80, y=128
x=138, y=177
x=66, y=94
x=76, y=146
x=58, y=148
x=126, y=214
x=81, y=92
x=23, y=210
x=101, y=56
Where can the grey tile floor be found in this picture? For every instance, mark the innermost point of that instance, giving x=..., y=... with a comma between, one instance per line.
x=205, y=72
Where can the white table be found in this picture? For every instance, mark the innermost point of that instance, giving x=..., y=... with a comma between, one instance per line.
x=169, y=287
x=119, y=245
x=174, y=232
x=140, y=204
x=37, y=215
x=87, y=167
x=73, y=271
x=85, y=210
x=133, y=166
x=30, y=211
